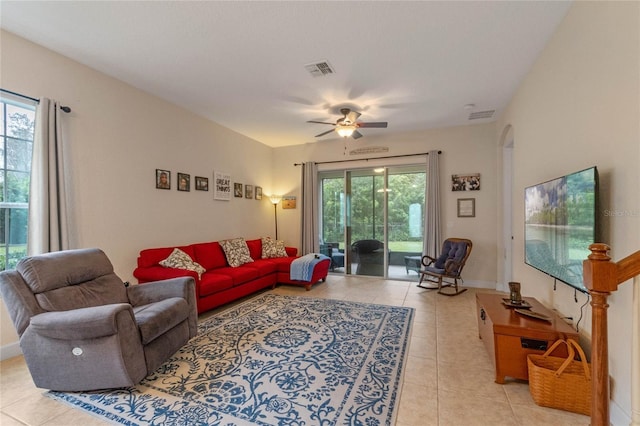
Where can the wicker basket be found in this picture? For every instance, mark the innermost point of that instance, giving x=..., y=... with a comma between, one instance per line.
x=562, y=383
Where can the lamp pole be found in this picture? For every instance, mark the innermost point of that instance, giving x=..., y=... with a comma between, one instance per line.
x=275, y=211
x=275, y=199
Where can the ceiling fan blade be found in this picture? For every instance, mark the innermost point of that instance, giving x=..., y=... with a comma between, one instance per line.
x=356, y=135
x=380, y=124
x=324, y=133
x=320, y=122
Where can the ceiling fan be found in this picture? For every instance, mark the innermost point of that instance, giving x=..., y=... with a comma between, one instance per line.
x=348, y=126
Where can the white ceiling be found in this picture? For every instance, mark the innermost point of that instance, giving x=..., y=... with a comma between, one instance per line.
x=242, y=64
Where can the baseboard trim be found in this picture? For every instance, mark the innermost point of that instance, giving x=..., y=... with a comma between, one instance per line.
x=10, y=350
x=617, y=416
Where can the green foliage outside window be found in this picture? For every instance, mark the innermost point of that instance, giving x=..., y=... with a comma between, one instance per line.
x=17, y=126
x=367, y=208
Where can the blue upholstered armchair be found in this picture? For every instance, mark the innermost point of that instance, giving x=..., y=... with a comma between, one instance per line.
x=332, y=250
x=81, y=329
x=446, y=270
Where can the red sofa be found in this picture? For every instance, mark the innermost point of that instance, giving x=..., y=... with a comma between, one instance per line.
x=221, y=283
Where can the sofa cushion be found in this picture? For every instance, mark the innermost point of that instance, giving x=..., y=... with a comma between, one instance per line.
x=451, y=251
x=213, y=282
x=265, y=266
x=157, y=273
x=210, y=255
x=157, y=318
x=291, y=251
x=153, y=256
x=273, y=248
x=255, y=248
x=283, y=264
x=236, y=252
x=181, y=260
x=240, y=275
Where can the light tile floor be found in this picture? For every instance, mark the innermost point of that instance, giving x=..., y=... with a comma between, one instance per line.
x=449, y=379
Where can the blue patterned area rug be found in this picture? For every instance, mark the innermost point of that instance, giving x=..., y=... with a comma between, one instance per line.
x=273, y=360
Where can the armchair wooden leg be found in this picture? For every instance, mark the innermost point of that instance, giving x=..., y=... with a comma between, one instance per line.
x=456, y=291
x=429, y=287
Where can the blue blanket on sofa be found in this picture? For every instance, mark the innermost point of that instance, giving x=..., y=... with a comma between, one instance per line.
x=302, y=267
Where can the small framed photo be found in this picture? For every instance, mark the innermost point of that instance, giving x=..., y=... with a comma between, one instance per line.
x=289, y=202
x=237, y=190
x=248, y=191
x=184, y=182
x=163, y=179
x=202, y=183
x=466, y=207
x=258, y=193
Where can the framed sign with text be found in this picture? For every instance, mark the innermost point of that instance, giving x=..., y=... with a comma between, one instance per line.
x=221, y=186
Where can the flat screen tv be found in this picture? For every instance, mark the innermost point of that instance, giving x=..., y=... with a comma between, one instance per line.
x=560, y=224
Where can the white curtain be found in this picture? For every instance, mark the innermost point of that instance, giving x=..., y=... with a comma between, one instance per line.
x=48, y=229
x=310, y=229
x=432, y=234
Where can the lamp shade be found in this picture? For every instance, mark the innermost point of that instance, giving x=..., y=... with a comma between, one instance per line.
x=275, y=199
x=345, y=130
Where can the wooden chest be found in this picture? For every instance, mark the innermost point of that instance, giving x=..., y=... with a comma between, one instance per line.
x=509, y=336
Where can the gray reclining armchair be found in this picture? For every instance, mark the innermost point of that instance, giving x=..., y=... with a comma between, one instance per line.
x=81, y=329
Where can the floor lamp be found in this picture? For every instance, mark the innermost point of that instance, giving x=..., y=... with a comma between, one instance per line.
x=275, y=199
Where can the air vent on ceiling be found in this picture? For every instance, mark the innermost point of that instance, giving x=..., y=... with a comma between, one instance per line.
x=369, y=150
x=320, y=68
x=481, y=114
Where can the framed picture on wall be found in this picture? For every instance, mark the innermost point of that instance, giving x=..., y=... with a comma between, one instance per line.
x=163, y=179
x=184, y=182
x=466, y=207
x=237, y=190
x=258, y=193
x=202, y=183
x=222, y=186
x=248, y=191
x=289, y=202
x=470, y=182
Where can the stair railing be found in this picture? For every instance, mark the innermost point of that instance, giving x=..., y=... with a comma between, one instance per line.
x=601, y=277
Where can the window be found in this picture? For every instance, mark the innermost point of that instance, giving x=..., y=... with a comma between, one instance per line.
x=17, y=121
x=406, y=189
x=384, y=204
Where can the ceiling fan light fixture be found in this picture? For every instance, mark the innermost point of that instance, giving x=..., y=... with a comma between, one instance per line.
x=345, y=130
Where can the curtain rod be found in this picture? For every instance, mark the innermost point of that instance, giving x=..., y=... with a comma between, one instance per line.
x=63, y=108
x=367, y=159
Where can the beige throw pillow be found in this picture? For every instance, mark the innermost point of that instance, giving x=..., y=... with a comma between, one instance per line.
x=181, y=260
x=272, y=249
x=236, y=251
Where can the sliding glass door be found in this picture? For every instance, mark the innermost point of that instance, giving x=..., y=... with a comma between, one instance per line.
x=373, y=220
x=366, y=231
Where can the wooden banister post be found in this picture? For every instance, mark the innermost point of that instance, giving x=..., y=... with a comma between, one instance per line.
x=600, y=278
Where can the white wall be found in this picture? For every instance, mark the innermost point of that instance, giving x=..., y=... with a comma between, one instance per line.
x=465, y=149
x=579, y=107
x=118, y=136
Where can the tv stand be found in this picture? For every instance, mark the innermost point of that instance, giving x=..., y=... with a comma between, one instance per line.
x=509, y=337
